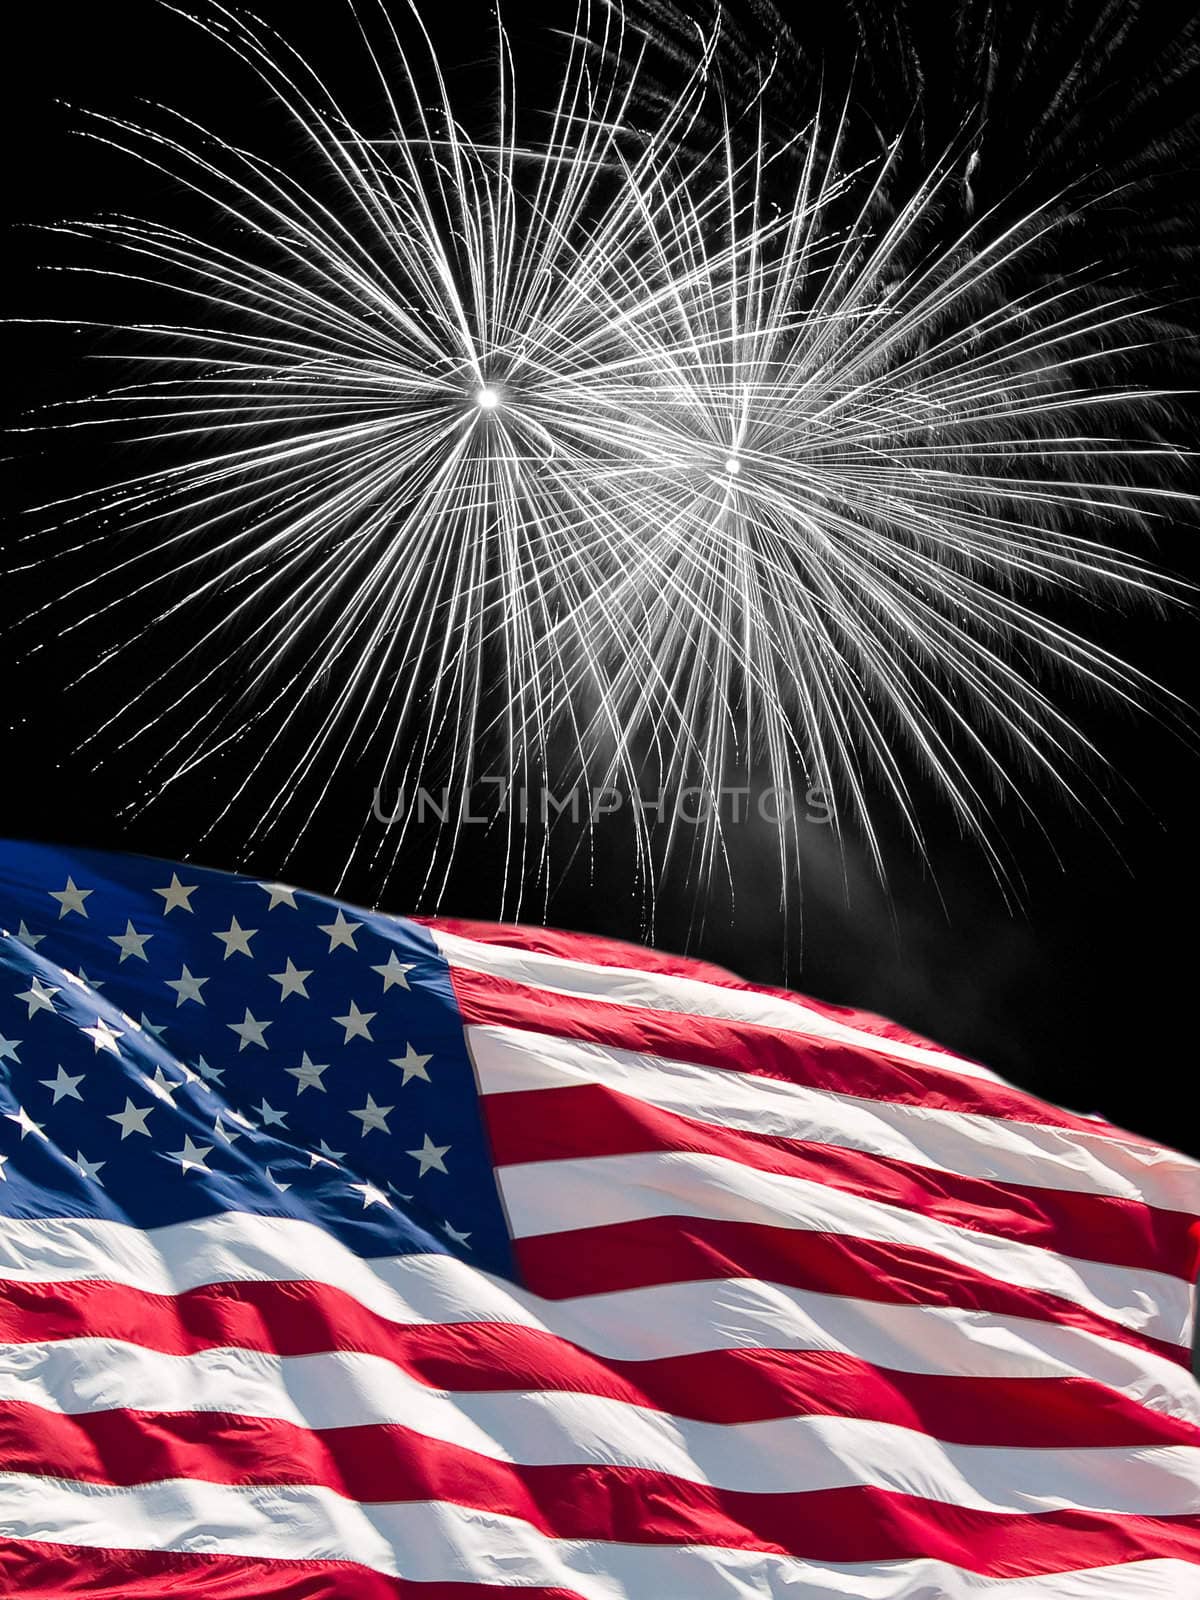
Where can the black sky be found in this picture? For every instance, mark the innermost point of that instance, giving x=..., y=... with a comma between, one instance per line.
x=1083, y=994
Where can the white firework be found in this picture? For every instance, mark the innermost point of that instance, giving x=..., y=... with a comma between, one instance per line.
x=553, y=449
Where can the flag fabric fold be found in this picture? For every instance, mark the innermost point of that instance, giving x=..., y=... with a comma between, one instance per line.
x=343, y=1254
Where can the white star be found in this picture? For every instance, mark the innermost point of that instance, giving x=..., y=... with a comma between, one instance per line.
x=314, y=1160
x=81, y=980
x=308, y=1075
x=282, y=1187
x=162, y=1086
x=291, y=980
x=175, y=895
x=132, y=1119
x=429, y=1155
x=280, y=894
x=70, y=899
x=8, y=1049
x=394, y=971
x=453, y=1233
x=31, y=939
x=412, y=1064
x=268, y=1115
x=63, y=1085
x=104, y=1037
x=88, y=1169
x=209, y=1074
x=25, y=1122
x=39, y=997
x=222, y=1132
x=371, y=1195
x=330, y=1155
x=130, y=943
x=356, y=1023
x=340, y=932
x=191, y=1157
x=186, y=987
x=3, y=1174
x=249, y=1030
x=235, y=939
x=157, y=1029
x=373, y=1116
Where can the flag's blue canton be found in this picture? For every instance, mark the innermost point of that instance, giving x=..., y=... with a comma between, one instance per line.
x=175, y=1043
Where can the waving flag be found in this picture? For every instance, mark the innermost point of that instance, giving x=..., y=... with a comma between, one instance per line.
x=347, y=1256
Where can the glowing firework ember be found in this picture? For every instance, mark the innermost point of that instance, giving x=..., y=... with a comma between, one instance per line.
x=542, y=443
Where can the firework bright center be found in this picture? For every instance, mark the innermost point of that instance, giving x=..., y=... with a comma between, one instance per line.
x=487, y=399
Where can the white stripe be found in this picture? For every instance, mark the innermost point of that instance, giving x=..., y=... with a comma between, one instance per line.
x=434, y=1541
x=510, y=1060
x=350, y=1389
x=743, y=1313
x=658, y=991
x=548, y=1197
x=626, y=1325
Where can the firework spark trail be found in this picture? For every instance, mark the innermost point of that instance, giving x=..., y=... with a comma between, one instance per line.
x=867, y=537
x=553, y=443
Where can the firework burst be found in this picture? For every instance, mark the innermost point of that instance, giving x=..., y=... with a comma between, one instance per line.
x=545, y=450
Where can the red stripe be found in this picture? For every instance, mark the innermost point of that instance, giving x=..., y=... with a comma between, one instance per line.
x=631, y=1255
x=599, y=952
x=624, y=1504
x=591, y=948
x=752, y=1048
x=722, y=1386
x=639, y=958
x=581, y=1120
x=63, y=1571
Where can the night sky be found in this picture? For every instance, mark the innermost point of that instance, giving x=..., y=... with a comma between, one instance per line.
x=1082, y=991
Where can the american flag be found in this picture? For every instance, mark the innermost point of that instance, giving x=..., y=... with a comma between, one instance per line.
x=345, y=1255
